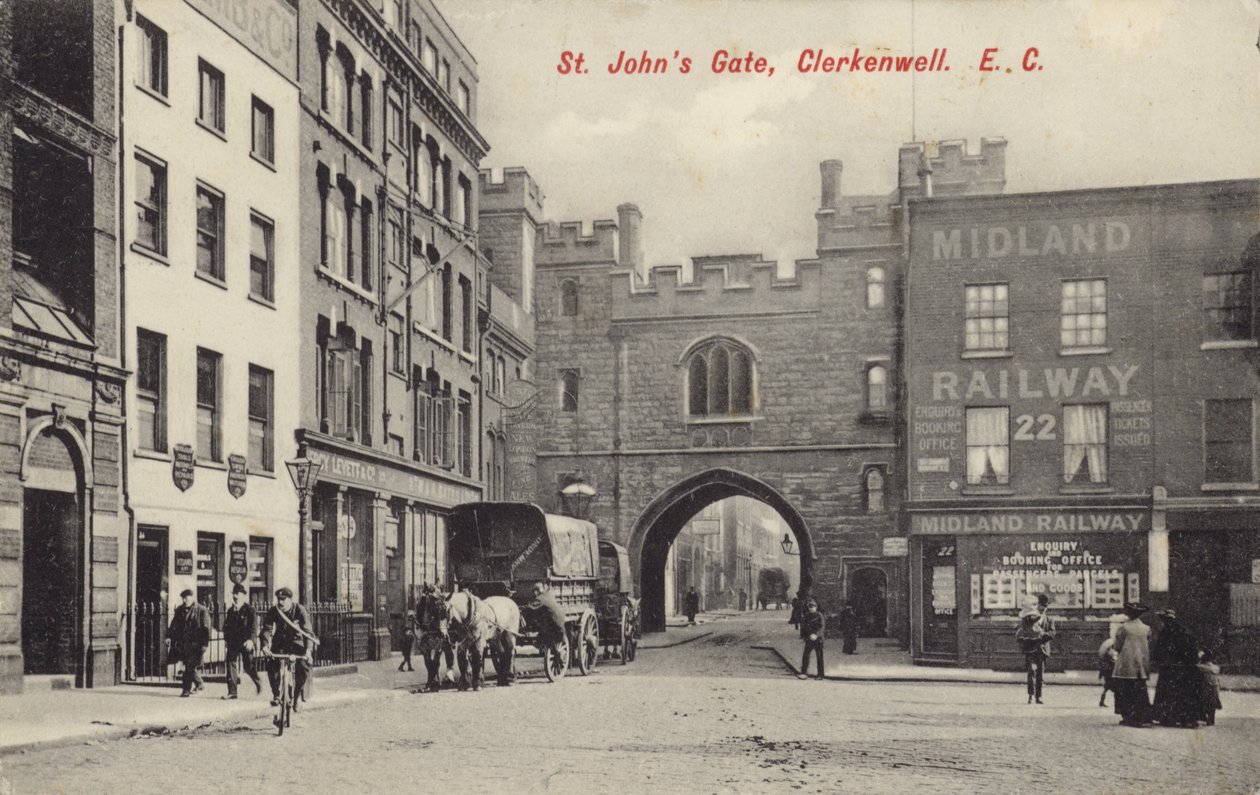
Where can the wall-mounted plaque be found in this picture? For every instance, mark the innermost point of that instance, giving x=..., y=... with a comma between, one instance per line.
x=182, y=464
x=236, y=476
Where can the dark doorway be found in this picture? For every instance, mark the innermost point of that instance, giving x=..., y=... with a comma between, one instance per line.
x=868, y=596
x=51, y=529
x=151, y=600
x=940, y=586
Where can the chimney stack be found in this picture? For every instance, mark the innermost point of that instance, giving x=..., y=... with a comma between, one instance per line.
x=629, y=249
x=831, y=170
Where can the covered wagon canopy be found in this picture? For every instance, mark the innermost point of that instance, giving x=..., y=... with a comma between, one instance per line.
x=614, y=568
x=515, y=542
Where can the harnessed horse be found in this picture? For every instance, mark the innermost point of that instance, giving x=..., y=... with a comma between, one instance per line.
x=476, y=625
x=431, y=621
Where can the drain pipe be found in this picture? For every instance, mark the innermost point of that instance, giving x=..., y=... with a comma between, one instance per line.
x=124, y=454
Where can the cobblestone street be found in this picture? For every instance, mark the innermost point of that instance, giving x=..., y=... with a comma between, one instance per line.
x=713, y=715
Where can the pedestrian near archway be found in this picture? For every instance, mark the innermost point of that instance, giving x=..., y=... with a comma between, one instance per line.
x=1132, y=668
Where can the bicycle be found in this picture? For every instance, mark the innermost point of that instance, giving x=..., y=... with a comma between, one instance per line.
x=284, y=710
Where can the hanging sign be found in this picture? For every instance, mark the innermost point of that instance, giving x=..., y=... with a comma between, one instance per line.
x=236, y=475
x=182, y=463
x=238, y=563
x=183, y=563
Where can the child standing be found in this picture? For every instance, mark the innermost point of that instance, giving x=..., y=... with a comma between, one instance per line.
x=409, y=641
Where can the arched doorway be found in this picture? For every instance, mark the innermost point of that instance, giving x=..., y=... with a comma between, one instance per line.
x=53, y=501
x=868, y=596
x=661, y=522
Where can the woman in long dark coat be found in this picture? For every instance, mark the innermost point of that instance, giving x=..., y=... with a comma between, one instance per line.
x=1176, y=656
x=1132, y=668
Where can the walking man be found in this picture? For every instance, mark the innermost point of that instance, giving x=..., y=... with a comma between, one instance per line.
x=189, y=635
x=240, y=633
x=286, y=629
x=813, y=628
x=691, y=605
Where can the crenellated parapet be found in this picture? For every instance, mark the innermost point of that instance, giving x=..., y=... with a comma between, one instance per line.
x=514, y=191
x=923, y=170
x=731, y=285
x=566, y=243
x=953, y=171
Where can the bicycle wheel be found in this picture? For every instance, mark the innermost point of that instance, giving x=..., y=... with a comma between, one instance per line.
x=286, y=694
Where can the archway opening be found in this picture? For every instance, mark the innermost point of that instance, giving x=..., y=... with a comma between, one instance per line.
x=699, y=520
x=52, y=537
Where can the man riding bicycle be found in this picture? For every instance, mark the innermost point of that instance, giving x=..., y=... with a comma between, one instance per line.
x=286, y=629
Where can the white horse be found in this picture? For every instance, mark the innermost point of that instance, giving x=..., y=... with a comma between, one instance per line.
x=476, y=625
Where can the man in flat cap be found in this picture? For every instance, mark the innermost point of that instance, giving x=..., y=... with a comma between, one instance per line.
x=188, y=637
x=286, y=629
x=240, y=635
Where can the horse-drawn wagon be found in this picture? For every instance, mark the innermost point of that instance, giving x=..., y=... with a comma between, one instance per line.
x=504, y=548
x=618, y=610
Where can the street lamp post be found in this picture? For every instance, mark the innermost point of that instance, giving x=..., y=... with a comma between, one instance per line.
x=303, y=472
x=576, y=497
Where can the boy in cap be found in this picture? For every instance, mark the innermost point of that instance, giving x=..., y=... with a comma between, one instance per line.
x=240, y=628
x=287, y=630
x=189, y=636
x=813, y=628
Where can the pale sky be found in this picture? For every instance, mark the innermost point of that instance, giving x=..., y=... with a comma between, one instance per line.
x=1130, y=93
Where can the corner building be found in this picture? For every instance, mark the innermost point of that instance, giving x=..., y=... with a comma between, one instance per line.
x=62, y=529
x=209, y=170
x=391, y=287
x=1065, y=414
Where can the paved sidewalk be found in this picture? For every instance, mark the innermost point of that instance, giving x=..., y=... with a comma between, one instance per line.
x=43, y=716
x=880, y=660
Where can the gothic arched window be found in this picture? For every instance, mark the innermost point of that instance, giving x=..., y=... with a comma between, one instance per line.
x=720, y=380
x=876, y=388
x=873, y=486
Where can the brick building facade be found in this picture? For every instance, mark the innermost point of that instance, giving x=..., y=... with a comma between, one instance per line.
x=62, y=531
x=1081, y=386
x=391, y=288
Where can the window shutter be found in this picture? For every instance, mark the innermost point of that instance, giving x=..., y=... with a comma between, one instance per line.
x=442, y=431
x=337, y=393
x=354, y=407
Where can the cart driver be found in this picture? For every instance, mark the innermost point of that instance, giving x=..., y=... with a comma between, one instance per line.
x=546, y=617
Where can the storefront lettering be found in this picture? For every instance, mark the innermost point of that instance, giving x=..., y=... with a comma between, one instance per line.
x=1040, y=523
x=1051, y=382
x=267, y=27
x=1030, y=241
x=407, y=484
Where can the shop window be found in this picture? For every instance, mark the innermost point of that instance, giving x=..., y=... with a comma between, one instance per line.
x=988, y=446
x=873, y=489
x=570, y=381
x=1083, y=314
x=262, y=263
x=151, y=390
x=152, y=60
x=720, y=380
x=568, y=298
x=874, y=287
x=987, y=317
x=1227, y=306
x=209, y=405
x=1228, y=441
x=210, y=108
x=210, y=233
x=1085, y=443
x=259, y=578
x=151, y=204
x=210, y=571
x=261, y=419
x=263, y=132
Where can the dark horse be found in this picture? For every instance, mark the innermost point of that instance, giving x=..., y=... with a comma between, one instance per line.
x=477, y=625
x=431, y=620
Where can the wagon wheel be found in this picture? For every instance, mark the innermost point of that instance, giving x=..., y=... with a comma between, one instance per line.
x=588, y=643
x=556, y=661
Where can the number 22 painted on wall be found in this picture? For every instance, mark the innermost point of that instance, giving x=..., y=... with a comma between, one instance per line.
x=1045, y=431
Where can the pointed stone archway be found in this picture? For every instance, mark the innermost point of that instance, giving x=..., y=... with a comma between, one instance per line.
x=665, y=516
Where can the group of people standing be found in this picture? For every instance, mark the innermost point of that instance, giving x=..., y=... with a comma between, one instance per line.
x=285, y=629
x=1186, y=691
